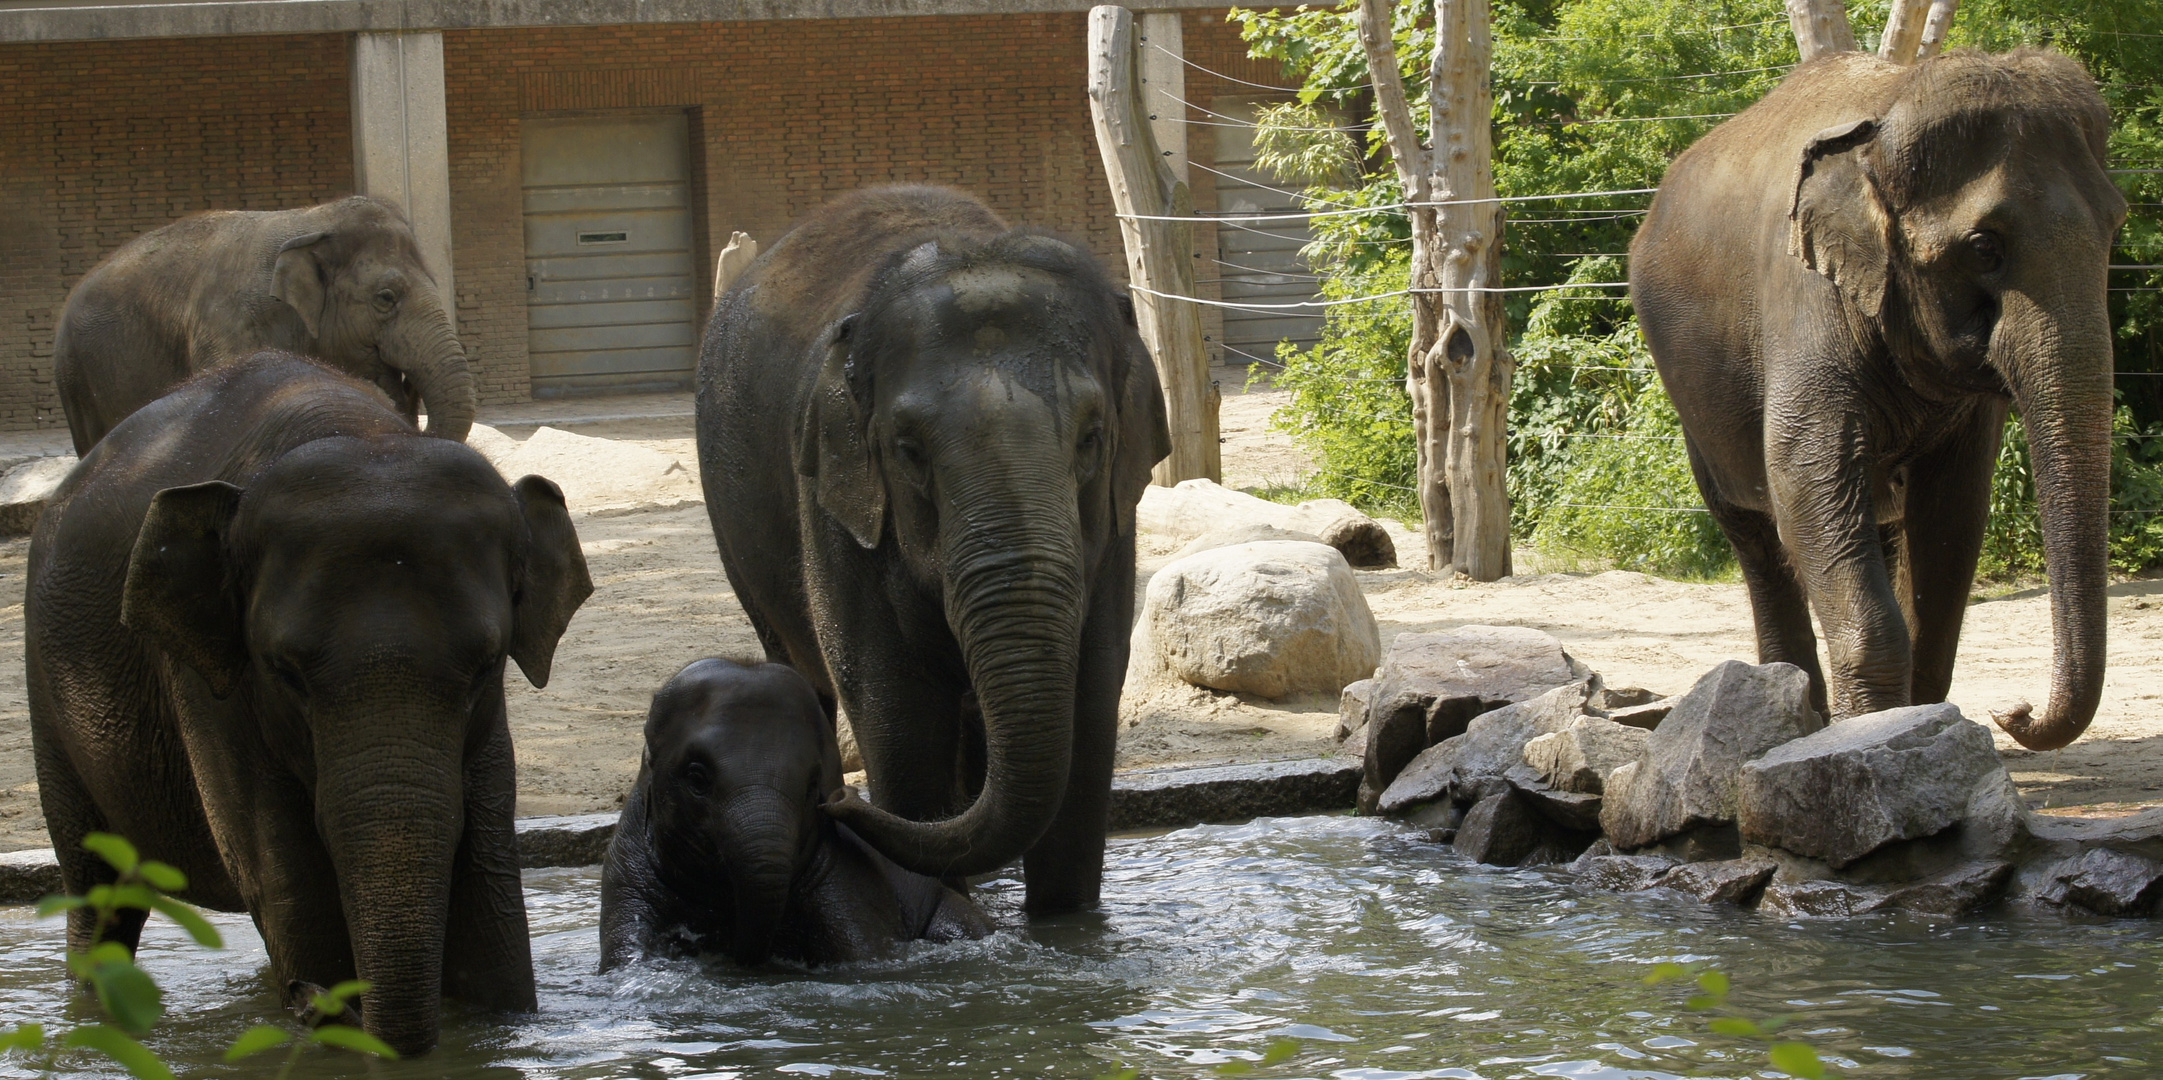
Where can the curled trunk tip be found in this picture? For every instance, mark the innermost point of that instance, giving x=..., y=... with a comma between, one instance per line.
x=2054, y=731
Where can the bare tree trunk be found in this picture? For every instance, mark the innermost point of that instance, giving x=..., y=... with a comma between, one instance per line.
x=1458, y=369
x=1903, y=31
x=1160, y=254
x=1939, y=24
x=1821, y=27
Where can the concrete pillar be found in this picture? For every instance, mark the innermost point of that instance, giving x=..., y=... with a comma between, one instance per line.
x=1164, y=76
x=400, y=150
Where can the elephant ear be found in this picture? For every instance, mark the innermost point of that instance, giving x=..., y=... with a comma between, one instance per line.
x=1145, y=437
x=178, y=593
x=555, y=581
x=835, y=451
x=296, y=279
x=1840, y=226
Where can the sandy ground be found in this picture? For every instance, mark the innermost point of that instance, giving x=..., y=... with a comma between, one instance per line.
x=661, y=601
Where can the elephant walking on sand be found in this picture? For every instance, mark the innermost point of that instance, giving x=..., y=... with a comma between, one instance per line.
x=341, y=282
x=1844, y=288
x=922, y=437
x=266, y=625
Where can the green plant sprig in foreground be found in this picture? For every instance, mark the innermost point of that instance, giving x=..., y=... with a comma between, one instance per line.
x=131, y=999
x=1796, y=1059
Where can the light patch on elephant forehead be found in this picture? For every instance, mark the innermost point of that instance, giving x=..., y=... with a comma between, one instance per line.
x=986, y=290
x=1001, y=399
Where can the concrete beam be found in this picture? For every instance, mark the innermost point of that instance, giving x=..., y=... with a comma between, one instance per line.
x=401, y=150
x=1164, y=81
x=59, y=20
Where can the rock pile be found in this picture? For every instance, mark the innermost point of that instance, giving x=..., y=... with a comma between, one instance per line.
x=1735, y=792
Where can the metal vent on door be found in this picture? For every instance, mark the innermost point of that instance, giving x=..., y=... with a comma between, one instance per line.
x=609, y=259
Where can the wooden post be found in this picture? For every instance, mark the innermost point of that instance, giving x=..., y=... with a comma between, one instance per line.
x=1160, y=254
x=1936, y=27
x=1903, y=31
x=1821, y=27
x=1458, y=369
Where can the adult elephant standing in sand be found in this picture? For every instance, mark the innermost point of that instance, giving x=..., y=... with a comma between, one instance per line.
x=922, y=437
x=341, y=282
x=1843, y=288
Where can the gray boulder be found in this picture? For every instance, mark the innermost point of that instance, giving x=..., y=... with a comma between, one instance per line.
x=1621, y=873
x=1871, y=780
x=1243, y=534
x=1490, y=747
x=1501, y=830
x=1272, y=618
x=1729, y=881
x=1430, y=686
x=1686, y=777
x=1352, y=706
x=1363, y=542
x=1646, y=716
x=1579, y=757
x=2106, y=881
x=25, y=490
x=1572, y=810
x=1950, y=893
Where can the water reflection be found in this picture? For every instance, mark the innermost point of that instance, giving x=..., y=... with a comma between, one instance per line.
x=1387, y=957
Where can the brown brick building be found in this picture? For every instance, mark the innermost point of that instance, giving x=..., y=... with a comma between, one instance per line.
x=116, y=119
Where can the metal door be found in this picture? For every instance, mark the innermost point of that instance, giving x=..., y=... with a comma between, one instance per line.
x=609, y=268
x=1259, y=261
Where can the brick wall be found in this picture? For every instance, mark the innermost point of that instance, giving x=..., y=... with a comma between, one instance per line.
x=102, y=141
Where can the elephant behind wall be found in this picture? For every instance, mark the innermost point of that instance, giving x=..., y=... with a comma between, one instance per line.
x=922, y=437
x=266, y=624
x=342, y=282
x=1844, y=288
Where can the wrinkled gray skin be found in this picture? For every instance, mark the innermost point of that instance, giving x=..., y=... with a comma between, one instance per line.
x=266, y=625
x=341, y=282
x=1844, y=287
x=922, y=437
x=722, y=848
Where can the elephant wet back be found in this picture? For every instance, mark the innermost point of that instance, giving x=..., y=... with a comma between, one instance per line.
x=267, y=626
x=922, y=436
x=1844, y=288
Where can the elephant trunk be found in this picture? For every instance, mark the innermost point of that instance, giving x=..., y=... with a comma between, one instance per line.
x=425, y=349
x=391, y=815
x=1014, y=601
x=2060, y=372
x=761, y=844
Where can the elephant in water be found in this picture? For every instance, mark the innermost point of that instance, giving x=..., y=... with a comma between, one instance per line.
x=1844, y=287
x=266, y=624
x=922, y=437
x=722, y=847
x=341, y=282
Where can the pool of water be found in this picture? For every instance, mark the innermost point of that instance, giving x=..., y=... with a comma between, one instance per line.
x=1385, y=956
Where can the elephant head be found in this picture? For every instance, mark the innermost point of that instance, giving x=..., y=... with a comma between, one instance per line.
x=738, y=760
x=370, y=307
x=991, y=414
x=361, y=596
x=1972, y=220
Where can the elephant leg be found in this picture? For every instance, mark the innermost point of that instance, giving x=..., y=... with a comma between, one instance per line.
x=1814, y=463
x=1779, y=610
x=1065, y=870
x=487, y=955
x=908, y=729
x=292, y=892
x=1948, y=510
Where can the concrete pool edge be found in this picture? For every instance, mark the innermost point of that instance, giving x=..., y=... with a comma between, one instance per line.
x=1141, y=799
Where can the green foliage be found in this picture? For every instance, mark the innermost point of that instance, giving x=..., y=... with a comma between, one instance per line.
x=131, y=999
x=1787, y=1056
x=1599, y=95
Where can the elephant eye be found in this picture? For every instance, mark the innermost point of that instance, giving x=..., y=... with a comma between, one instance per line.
x=912, y=452
x=698, y=777
x=385, y=299
x=1091, y=441
x=289, y=677
x=1989, y=251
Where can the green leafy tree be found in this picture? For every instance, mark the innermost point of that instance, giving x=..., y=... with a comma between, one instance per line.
x=130, y=998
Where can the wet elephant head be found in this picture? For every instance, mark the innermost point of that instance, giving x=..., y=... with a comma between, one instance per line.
x=991, y=414
x=364, y=595
x=371, y=308
x=1973, y=220
x=738, y=760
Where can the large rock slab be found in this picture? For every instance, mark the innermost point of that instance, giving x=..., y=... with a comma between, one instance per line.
x=1871, y=780
x=1430, y=686
x=1490, y=747
x=1686, y=777
x=1621, y=873
x=2108, y=882
x=25, y=490
x=1272, y=619
x=1160, y=798
x=1948, y=894
x=1579, y=757
x=1729, y=881
x=28, y=876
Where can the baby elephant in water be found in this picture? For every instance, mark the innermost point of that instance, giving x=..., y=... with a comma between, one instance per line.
x=723, y=848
